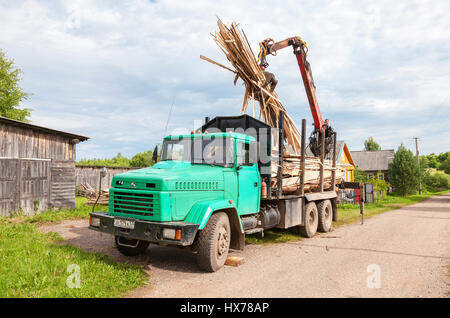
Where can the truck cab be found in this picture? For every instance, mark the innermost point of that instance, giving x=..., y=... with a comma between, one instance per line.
x=198, y=175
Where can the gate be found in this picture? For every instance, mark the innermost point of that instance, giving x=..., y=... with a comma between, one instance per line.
x=24, y=185
x=368, y=191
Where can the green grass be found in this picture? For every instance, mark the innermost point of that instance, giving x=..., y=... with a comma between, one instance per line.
x=273, y=236
x=81, y=211
x=35, y=265
x=347, y=214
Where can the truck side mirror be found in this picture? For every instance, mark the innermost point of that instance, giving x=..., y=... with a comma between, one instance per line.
x=155, y=154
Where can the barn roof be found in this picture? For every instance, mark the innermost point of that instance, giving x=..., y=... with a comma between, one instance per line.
x=12, y=122
x=373, y=160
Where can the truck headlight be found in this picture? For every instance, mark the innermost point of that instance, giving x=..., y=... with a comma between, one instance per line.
x=169, y=234
x=94, y=222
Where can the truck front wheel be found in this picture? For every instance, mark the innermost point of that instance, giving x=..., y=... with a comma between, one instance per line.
x=130, y=247
x=311, y=221
x=213, y=243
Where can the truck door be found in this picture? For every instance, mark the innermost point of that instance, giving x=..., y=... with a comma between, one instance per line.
x=249, y=180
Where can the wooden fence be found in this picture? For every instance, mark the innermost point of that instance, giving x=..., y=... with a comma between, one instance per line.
x=91, y=175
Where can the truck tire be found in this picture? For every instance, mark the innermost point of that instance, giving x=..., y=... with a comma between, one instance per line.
x=136, y=247
x=325, y=211
x=311, y=221
x=213, y=243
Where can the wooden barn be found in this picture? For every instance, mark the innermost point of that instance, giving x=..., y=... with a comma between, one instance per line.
x=37, y=167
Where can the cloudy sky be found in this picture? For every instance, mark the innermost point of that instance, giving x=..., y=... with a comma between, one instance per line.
x=111, y=70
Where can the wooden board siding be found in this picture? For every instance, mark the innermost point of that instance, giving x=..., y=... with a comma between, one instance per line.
x=62, y=184
x=20, y=142
x=24, y=185
x=34, y=185
x=90, y=174
x=8, y=186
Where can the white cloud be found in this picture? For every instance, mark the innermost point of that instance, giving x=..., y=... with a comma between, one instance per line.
x=111, y=70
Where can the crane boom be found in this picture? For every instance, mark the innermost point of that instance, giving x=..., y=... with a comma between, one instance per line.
x=269, y=46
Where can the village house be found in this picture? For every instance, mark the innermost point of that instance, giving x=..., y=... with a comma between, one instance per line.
x=374, y=163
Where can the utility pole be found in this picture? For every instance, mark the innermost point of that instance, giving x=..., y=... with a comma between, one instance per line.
x=418, y=163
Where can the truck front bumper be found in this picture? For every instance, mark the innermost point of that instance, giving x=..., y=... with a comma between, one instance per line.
x=145, y=230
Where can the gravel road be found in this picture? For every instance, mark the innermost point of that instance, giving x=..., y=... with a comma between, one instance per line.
x=401, y=253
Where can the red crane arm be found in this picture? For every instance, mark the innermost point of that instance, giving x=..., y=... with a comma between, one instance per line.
x=269, y=47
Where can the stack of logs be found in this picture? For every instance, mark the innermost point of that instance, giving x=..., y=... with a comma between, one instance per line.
x=87, y=191
x=291, y=174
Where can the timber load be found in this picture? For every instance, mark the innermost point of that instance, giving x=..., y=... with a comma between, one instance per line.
x=291, y=174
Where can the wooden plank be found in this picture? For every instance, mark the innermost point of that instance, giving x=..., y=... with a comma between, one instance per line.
x=234, y=261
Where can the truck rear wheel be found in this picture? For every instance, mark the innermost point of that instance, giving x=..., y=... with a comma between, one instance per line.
x=311, y=221
x=325, y=211
x=130, y=247
x=213, y=243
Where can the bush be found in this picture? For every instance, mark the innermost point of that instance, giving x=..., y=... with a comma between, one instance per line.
x=437, y=181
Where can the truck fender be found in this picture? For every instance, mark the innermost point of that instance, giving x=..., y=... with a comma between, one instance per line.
x=202, y=211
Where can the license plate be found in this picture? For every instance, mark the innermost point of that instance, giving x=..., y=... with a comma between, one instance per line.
x=124, y=224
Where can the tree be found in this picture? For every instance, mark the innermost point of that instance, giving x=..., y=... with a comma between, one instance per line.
x=432, y=161
x=11, y=94
x=117, y=161
x=443, y=156
x=445, y=166
x=404, y=172
x=142, y=159
x=371, y=145
x=360, y=175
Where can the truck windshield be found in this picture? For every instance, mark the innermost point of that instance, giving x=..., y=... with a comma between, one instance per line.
x=211, y=151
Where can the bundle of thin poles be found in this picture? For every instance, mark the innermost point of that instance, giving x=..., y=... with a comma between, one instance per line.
x=234, y=44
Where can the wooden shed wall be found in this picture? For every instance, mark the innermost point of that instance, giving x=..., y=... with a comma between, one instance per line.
x=62, y=184
x=24, y=185
x=21, y=142
x=37, y=170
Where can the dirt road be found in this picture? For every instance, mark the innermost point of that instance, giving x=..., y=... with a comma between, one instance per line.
x=404, y=252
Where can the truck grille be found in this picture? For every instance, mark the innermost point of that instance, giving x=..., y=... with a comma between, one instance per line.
x=143, y=204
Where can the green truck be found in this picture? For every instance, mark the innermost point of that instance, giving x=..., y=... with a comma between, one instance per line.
x=209, y=189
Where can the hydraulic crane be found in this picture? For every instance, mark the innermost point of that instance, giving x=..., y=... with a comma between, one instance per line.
x=269, y=46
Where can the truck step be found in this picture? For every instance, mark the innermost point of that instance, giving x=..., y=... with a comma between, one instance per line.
x=255, y=230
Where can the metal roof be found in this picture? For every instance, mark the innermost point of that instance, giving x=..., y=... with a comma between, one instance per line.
x=13, y=122
x=373, y=160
